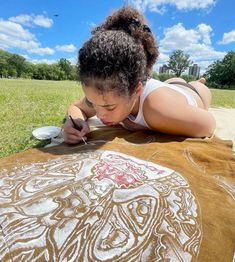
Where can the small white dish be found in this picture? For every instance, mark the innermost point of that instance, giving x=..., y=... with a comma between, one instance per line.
x=46, y=132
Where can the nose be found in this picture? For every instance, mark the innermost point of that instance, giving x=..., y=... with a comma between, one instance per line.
x=100, y=113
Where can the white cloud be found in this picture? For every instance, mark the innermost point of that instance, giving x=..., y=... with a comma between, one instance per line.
x=196, y=4
x=177, y=37
x=29, y=20
x=15, y=30
x=13, y=35
x=43, y=21
x=22, y=19
x=73, y=60
x=204, y=65
x=162, y=57
x=205, y=32
x=159, y=6
x=42, y=51
x=66, y=48
x=195, y=42
x=228, y=38
x=43, y=61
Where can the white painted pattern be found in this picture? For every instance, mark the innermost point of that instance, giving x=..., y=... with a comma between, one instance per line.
x=97, y=206
x=228, y=186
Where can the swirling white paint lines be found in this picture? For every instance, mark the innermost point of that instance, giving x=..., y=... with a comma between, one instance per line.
x=99, y=205
x=188, y=155
x=226, y=185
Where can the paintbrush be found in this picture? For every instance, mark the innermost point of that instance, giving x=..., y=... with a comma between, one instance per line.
x=78, y=128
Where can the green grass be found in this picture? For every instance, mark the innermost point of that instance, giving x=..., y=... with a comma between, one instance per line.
x=223, y=98
x=28, y=104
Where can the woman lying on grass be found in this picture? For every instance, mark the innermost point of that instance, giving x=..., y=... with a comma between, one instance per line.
x=115, y=66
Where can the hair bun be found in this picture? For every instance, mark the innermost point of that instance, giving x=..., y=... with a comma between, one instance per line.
x=132, y=22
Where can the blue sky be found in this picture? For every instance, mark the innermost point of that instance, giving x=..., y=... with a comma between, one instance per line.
x=204, y=29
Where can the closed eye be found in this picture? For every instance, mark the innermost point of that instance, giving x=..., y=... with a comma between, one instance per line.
x=89, y=104
x=110, y=109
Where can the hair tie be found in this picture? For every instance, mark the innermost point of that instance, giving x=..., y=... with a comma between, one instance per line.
x=136, y=22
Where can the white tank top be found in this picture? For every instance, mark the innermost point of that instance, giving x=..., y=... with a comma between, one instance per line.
x=150, y=86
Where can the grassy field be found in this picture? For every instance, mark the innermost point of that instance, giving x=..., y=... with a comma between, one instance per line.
x=28, y=104
x=223, y=98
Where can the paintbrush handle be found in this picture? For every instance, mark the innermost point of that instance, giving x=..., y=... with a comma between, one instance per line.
x=78, y=128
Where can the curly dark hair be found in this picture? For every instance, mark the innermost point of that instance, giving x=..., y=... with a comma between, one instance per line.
x=119, y=54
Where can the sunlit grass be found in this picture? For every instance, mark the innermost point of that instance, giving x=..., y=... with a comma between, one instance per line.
x=223, y=98
x=28, y=104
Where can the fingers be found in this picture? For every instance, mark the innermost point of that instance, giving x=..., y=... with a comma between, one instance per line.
x=72, y=135
x=71, y=131
x=73, y=139
x=85, y=129
x=79, y=124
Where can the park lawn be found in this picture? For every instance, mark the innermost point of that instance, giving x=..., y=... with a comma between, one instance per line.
x=29, y=104
x=223, y=98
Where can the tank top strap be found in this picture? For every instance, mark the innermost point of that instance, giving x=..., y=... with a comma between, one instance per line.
x=150, y=86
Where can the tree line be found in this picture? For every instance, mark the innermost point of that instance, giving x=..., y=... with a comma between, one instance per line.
x=16, y=66
x=220, y=74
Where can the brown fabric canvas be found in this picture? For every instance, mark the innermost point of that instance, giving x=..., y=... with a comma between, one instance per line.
x=123, y=197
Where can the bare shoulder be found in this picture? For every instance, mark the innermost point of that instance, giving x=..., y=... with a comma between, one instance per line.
x=162, y=101
x=168, y=113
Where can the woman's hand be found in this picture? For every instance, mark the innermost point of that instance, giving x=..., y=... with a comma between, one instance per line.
x=72, y=134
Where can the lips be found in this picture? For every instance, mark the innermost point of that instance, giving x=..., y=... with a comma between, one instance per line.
x=106, y=122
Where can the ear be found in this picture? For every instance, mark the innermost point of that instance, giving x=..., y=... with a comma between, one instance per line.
x=139, y=89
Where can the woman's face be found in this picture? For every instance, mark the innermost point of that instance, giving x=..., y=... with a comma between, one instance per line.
x=110, y=108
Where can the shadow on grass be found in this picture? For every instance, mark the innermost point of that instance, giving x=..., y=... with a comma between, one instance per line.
x=42, y=143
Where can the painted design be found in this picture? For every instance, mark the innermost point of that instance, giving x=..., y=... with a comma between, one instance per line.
x=228, y=186
x=189, y=156
x=97, y=206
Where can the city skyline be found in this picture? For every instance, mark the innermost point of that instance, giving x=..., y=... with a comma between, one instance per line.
x=193, y=70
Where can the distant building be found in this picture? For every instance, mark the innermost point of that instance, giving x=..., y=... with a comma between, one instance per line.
x=194, y=70
x=164, y=70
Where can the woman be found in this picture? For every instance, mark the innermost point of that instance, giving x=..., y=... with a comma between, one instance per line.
x=115, y=65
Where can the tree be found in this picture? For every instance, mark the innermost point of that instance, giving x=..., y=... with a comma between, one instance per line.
x=28, y=70
x=41, y=72
x=66, y=66
x=4, y=66
x=222, y=73
x=13, y=65
x=74, y=73
x=17, y=62
x=178, y=62
x=155, y=75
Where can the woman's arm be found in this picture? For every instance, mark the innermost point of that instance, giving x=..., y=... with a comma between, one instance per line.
x=80, y=112
x=172, y=115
